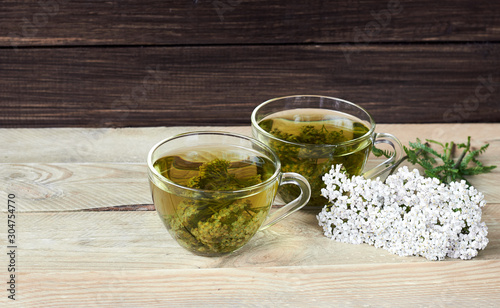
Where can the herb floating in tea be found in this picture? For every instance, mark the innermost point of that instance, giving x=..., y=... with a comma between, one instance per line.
x=312, y=135
x=210, y=222
x=408, y=215
x=303, y=147
x=450, y=169
x=214, y=175
x=215, y=226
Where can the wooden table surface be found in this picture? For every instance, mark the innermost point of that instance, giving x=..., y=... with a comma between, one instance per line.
x=72, y=249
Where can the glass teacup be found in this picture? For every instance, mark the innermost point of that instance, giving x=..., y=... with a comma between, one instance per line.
x=214, y=190
x=310, y=133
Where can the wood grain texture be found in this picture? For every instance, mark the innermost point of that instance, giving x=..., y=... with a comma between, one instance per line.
x=73, y=169
x=131, y=145
x=382, y=285
x=62, y=187
x=221, y=85
x=390, y=285
x=137, y=240
x=153, y=22
x=79, y=145
x=128, y=259
x=97, y=258
x=59, y=187
x=67, y=255
x=148, y=63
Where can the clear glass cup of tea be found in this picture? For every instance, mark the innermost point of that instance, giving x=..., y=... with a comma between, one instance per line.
x=310, y=133
x=214, y=190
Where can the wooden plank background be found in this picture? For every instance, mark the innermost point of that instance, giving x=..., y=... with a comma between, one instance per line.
x=74, y=252
x=163, y=63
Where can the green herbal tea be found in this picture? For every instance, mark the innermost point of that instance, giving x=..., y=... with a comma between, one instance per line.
x=307, y=131
x=207, y=220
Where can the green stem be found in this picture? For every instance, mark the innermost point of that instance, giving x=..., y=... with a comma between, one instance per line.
x=459, y=161
x=396, y=165
x=401, y=160
x=449, y=151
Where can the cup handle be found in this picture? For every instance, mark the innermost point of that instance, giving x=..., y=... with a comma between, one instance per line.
x=293, y=206
x=391, y=161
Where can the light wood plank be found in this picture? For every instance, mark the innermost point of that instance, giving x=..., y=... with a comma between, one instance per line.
x=453, y=284
x=67, y=186
x=137, y=240
x=75, y=145
x=66, y=256
x=52, y=145
x=52, y=175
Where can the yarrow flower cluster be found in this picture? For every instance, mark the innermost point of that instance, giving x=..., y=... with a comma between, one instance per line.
x=408, y=215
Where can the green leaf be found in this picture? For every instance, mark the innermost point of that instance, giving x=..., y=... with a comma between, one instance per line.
x=425, y=148
x=450, y=169
x=478, y=170
x=378, y=152
x=436, y=142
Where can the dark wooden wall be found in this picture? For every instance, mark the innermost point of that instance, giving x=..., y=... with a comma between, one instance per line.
x=162, y=63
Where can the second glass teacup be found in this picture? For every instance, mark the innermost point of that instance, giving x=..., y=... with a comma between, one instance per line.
x=214, y=190
x=310, y=133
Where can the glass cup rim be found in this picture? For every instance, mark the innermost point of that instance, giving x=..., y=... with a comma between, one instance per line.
x=341, y=144
x=259, y=186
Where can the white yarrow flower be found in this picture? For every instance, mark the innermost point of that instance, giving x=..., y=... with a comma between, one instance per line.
x=408, y=215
